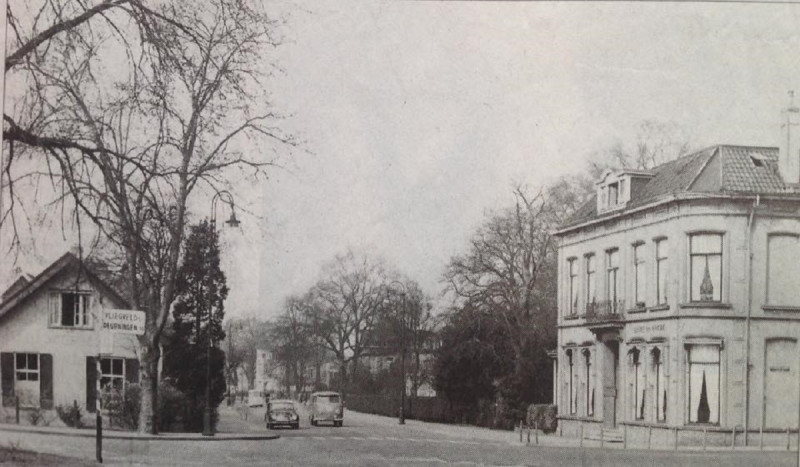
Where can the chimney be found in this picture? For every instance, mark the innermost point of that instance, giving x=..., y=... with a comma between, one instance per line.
x=789, y=161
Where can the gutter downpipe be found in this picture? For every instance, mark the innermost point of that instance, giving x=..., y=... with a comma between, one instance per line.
x=745, y=404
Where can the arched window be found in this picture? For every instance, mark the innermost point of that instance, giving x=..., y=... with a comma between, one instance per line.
x=659, y=386
x=587, y=355
x=637, y=384
x=573, y=397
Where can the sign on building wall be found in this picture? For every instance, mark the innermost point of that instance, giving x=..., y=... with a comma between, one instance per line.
x=123, y=321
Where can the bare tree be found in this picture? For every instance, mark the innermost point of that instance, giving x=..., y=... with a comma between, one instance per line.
x=292, y=341
x=346, y=304
x=509, y=271
x=656, y=142
x=126, y=139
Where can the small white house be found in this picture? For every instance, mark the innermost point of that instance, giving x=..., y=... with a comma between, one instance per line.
x=50, y=339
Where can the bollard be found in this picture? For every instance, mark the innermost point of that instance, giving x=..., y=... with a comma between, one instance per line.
x=705, y=437
x=733, y=437
x=649, y=436
x=16, y=405
x=581, y=445
x=520, y=432
x=676, y=438
x=529, y=435
x=787, y=438
x=761, y=438
x=77, y=419
x=536, y=431
x=624, y=436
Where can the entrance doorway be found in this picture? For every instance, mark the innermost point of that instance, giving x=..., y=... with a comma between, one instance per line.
x=780, y=384
x=610, y=350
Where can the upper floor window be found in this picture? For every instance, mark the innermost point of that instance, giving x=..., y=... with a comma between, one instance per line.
x=69, y=309
x=613, y=194
x=782, y=257
x=572, y=286
x=639, y=277
x=612, y=273
x=662, y=272
x=27, y=366
x=705, y=254
x=590, y=280
x=703, y=383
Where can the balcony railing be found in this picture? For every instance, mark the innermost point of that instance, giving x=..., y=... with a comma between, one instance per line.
x=605, y=311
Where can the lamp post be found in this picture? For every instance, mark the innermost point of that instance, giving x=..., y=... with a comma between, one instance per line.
x=402, y=416
x=233, y=222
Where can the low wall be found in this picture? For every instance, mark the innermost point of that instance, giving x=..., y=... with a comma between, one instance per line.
x=429, y=409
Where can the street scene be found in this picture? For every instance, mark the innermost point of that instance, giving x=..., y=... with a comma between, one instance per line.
x=307, y=232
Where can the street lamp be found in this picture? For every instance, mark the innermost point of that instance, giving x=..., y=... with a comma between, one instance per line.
x=402, y=416
x=233, y=222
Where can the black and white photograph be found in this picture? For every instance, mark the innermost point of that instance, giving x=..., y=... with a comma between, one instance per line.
x=400, y=233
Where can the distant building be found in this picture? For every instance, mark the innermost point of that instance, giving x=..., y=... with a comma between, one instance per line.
x=678, y=303
x=50, y=339
x=269, y=373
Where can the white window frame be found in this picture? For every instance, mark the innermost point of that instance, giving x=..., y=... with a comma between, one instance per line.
x=706, y=256
x=572, y=286
x=107, y=378
x=639, y=275
x=689, y=401
x=662, y=270
x=27, y=371
x=83, y=316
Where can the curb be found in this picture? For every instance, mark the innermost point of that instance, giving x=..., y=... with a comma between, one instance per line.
x=138, y=437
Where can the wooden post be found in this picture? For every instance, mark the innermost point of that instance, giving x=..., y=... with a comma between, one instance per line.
x=761, y=438
x=520, y=432
x=733, y=437
x=16, y=408
x=649, y=436
x=529, y=435
x=705, y=438
x=77, y=419
x=536, y=431
x=581, y=445
x=99, y=418
x=787, y=438
x=676, y=438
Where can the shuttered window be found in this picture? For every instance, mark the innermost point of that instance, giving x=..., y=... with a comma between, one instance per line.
x=783, y=257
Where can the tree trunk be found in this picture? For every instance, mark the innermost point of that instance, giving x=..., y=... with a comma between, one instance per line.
x=148, y=373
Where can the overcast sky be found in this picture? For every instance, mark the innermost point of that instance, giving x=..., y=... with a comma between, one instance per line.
x=417, y=117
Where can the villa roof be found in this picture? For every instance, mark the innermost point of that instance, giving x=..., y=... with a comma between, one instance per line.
x=721, y=169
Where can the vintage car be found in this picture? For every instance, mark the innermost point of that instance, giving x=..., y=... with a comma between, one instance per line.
x=282, y=412
x=326, y=406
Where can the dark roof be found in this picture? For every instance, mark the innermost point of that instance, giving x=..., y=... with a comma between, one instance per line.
x=21, y=282
x=718, y=169
x=66, y=262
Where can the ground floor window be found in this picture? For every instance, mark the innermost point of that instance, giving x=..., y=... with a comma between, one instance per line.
x=637, y=384
x=659, y=386
x=704, y=381
x=587, y=355
x=112, y=373
x=573, y=396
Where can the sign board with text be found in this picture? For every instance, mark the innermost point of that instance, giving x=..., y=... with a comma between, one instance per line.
x=123, y=321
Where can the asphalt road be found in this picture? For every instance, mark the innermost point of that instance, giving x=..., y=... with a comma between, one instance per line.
x=368, y=440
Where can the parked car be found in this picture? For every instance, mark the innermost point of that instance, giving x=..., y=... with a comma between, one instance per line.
x=255, y=398
x=282, y=412
x=326, y=406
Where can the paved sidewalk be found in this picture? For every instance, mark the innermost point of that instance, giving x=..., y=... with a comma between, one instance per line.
x=230, y=427
x=549, y=440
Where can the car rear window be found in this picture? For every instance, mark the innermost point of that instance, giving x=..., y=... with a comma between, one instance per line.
x=329, y=399
x=282, y=406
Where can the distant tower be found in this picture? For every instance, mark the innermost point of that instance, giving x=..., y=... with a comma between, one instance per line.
x=789, y=162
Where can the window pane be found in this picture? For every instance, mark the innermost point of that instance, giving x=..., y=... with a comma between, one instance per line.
x=704, y=354
x=22, y=376
x=105, y=366
x=707, y=243
x=704, y=392
x=662, y=249
x=22, y=361
x=33, y=361
x=706, y=277
x=117, y=366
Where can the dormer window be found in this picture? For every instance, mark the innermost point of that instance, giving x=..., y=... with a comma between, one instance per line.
x=614, y=190
x=613, y=194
